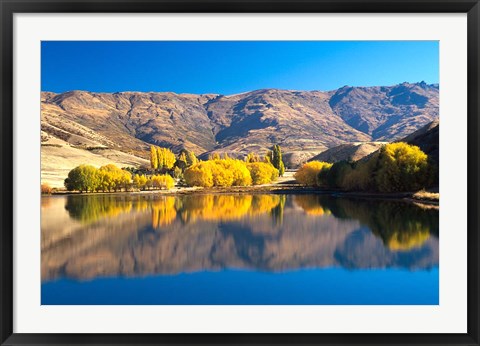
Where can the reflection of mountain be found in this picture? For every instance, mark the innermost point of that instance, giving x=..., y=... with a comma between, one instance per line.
x=147, y=235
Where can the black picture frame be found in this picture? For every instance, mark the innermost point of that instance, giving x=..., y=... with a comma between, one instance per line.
x=7, y=175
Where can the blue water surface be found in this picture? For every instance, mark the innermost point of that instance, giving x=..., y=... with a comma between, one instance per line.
x=333, y=286
x=238, y=249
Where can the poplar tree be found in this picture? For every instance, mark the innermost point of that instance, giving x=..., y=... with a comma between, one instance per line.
x=182, y=161
x=277, y=161
x=153, y=158
x=191, y=158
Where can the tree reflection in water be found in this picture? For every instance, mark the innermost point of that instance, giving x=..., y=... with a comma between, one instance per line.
x=134, y=235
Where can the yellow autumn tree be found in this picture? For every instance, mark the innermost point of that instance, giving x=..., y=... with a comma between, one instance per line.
x=252, y=157
x=153, y=158
x=402, y=167
x=241, y=175
x=199, y=174
x=308, y=173
x=162, y=181
x=262, y=173
x=114, y=178
x=166, y=158
x=222, y=177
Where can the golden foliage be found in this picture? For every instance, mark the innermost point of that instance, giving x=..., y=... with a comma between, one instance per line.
x=404, y=241
x=153, y=157
x=45, y=189
x=396, y=167
x=308, y=173
x=311, y=205
x=113, y=178
x=140, y=181
x=240, y=173
x=199, y=174
x=252, y=157
x=163, y=211
x=262, y=204
x=220, y=172
x=162, y=181
x=262, y=173
x=403, y=167
x=166, y=158
x=227, y=207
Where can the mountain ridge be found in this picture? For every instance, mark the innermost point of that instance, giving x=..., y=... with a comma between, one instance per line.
x=235, y=121
x=299, y=121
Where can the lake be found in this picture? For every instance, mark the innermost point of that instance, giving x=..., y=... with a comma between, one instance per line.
x=237, y=249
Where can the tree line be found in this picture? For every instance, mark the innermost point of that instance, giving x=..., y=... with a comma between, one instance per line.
x=186, y=167
x=396, y=167
x=223, y=171
x=110, y=178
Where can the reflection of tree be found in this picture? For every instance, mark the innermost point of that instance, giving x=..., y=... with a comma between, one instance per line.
x=226, y=207
x=312, y=205
x=401, y=226
x=163, y=211
x=241, y=232
x=45, y=202
x=92, y=208
x=408, y=240
x=277, y=212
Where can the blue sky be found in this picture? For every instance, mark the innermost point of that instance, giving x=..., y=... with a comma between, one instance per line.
x=229, y=67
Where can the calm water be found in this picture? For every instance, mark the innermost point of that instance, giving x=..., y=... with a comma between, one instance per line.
x=237, y=249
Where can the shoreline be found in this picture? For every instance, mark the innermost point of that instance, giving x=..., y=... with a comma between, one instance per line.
x=411, y=197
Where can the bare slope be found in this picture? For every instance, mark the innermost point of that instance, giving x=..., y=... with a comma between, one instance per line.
x=387, y=113
x=300, y=121
x=427, y=138
x=348, y=152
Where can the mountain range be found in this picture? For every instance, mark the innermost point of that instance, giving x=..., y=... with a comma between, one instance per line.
x=119, y=127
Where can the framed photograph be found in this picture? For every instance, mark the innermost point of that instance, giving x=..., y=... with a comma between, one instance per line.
x=214, y=172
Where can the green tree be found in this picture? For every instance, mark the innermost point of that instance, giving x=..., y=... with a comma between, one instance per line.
x=83, y=178
x=335, y=176
x=191, y=158
x=181, y=162
x=177, y=173
x=268, y=157
x=277, y=160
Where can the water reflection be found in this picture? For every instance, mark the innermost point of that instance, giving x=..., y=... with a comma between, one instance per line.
x=135, y=235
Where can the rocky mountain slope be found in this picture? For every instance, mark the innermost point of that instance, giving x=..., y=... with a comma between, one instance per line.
x=348, y=152
x=300, y=121
x=427, y=139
